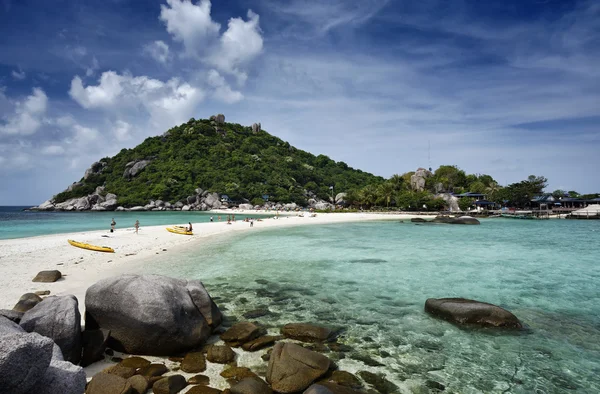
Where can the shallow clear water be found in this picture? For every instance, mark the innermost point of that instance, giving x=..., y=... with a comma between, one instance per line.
x=16, y=223
x=372, y=280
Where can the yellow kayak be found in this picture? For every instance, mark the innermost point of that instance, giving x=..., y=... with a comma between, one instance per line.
x=179, y=230
x=83, y=245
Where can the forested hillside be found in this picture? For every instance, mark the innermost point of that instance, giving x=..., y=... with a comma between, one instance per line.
x=227, y=158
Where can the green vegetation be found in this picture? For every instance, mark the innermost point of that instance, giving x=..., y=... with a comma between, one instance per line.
x=224, y=158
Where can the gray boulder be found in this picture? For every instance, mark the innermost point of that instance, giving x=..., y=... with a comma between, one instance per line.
x=293, y=368
x=81, y=204
x=417, y=181
x=95, y=168
x=151, y=314
x=58, y=318
x=256, y=127
x=94, y=345
x=323, y=206
x=212, y=201
x=451, y=201
x=8, y=326
x=245, y=206
x=470, y=312
x=24, y=358
x=46, y=206
x=185, y=208
x=135, y=167
x=11, y=315
x=61, y=377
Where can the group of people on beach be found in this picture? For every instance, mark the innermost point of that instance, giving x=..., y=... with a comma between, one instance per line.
x=230, y=219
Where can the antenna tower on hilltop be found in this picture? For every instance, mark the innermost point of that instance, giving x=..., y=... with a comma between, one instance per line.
x=429, y=154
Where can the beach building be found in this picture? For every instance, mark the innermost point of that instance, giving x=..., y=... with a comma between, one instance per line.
x=589, y=212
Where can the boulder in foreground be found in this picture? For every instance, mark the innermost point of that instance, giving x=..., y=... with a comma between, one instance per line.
x=47, y=276
x=58, y=318
x=471, y=312
x=151, y=314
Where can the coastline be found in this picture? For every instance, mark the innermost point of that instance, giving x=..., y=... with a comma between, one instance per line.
x=22, y=258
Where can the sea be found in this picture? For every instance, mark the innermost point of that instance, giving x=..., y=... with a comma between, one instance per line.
x=369, y=282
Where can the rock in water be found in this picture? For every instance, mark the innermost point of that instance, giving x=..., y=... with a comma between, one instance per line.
x=329, y=388
x=151, y=314
x=293, y=368
x=251, y=386
x=58, y=318
x=47, y=276
x=464, y=311
x=306, y=332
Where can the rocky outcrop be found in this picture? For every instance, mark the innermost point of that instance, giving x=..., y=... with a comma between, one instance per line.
x=470, y=312
x=245, y=206
x=417, y=181
x=218, y=119
x=58, y=318
x=293, y=368
x=256, y=127
x=95, y=168
x=451, y=201
x=151, y=314
x=135, y=167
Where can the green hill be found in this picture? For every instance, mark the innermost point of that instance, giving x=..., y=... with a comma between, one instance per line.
x=227, y=158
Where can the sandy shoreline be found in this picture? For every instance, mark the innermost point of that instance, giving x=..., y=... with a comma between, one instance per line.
x=21, y=259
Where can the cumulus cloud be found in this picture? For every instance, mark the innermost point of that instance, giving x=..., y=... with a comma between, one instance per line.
x=18, y=75
x=27, y=117
x=230, y=53
x=171, y=101
x=190, y=24
x=91, y=70
x=222, y=90
x=158, y=50
x=241, y=43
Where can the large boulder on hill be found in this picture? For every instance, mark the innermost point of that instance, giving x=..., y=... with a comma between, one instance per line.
x=212, y=201
x=470, y=312
x=95, y=168
x=151, y=314
x=135, y=167
x=293, y=368
x=58, y=318
x=46, y=206
x=417, y=181
x=451, y=201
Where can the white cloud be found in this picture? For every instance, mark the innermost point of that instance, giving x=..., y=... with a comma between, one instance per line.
x=27, y=117
x=18, y=75
x=222, y=90
x=173, y=101
x=241, y=43
x=190, y=24
x=230, y=52
x=159, y=50
x=53, y=150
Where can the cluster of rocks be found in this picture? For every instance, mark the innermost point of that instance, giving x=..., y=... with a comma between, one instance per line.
x=419, y=178
x=41, y=343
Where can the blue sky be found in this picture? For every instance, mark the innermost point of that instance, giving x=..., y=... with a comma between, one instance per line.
x=508, y=88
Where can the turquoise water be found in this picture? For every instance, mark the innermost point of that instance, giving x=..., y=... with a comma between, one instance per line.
x=372, y=280
x=16, y=223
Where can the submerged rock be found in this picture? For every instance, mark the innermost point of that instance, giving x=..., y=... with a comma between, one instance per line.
x=465, y=311
x=293, y=368
x=306, y=332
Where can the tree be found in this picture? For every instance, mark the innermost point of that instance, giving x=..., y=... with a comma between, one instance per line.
x=465, y=203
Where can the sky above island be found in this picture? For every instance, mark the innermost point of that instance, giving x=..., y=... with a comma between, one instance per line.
x=508, y=88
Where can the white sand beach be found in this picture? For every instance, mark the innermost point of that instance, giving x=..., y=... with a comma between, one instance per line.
x=21, y=259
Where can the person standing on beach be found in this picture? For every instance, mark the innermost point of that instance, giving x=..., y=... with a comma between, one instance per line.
x=112, y=225
x=211, y=218
x=251, y=222
x=137, y=226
